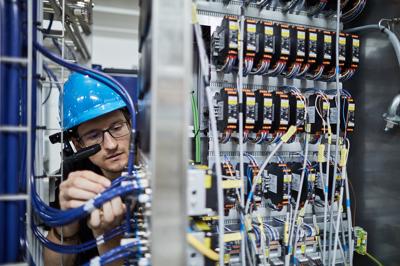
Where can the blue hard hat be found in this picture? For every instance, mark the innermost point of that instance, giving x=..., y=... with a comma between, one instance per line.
x=85, y=98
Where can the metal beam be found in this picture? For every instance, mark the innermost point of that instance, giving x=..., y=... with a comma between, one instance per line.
x=116, y=11
x=171, y=83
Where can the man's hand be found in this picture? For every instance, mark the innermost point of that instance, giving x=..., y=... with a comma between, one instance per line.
x=80, y=187
x=110, y=216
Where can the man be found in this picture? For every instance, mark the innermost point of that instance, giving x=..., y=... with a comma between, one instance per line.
x=93, y=114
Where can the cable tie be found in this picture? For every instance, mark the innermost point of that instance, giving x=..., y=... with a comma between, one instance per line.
x=100, y=240
x=89, y=206
x=95, y=261
x=128, y=183
x=126, y=241
x=348, y=203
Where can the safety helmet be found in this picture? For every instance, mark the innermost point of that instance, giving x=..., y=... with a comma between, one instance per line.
x=85, y=98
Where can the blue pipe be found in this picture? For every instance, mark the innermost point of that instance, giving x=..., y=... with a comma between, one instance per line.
x=12, y=89
x=2, y=109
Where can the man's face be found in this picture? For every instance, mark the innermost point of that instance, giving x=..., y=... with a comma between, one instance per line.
x=114, y=153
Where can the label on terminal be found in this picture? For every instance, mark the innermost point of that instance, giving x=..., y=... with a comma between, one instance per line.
x=296, y=182
x=273, y=183
x=320, y=182
x=311, y=114
x=333, y=115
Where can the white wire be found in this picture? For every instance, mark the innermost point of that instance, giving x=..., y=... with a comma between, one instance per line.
x=338, y=103
x=241, y=146
x=293, y=219
x=220, y=191
x=305, y=70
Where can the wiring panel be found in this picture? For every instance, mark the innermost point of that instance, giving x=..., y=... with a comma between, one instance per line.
x=278, y=99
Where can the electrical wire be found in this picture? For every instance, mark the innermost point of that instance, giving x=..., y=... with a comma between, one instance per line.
x=115, y=253
x=338, y=96
x=314, y=10
x=196, y=127
x=354, y=12
x=263, y=3
x=55, y=217
x=200, y=247
x=52, y=77
x=377, y=262
x=241, y=128
x=293, y=218
x=288, y=5
x=74, y=249
x=256, y=179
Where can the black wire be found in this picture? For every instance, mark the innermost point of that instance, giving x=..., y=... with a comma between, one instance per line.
x=47, y=31
x=286, y=7
x=51, y=83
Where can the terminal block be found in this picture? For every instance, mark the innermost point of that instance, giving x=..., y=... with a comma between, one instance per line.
x=230, y=185
x=280, y=122
x=360, y=237
x=296, y=170
x=277, y=181
x=227, y=106
x=346, y=113
x=264, y=111
x=249, y=110
x=317, y=112
x=297, y=112
x=225, y=44
x=265, y=43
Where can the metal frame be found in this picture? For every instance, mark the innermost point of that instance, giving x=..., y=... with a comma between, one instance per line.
x=171, y=78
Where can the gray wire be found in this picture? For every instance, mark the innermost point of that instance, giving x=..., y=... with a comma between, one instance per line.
x=241, y=145
x=338, y=103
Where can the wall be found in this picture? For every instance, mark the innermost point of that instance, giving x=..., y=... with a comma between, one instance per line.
x=374, y=163
x=115, y=33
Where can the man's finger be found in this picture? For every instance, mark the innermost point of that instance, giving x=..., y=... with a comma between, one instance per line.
x=117, y=206
x=108, y=214
x=94, y=221
x=78, y=194
x=70, y=204
x=92, y=176
x=88, y=185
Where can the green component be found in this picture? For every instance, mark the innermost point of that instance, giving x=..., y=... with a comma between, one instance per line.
x=360, y=240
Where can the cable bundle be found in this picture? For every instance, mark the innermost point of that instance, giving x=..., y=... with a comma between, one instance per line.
x=350, y=12
x=55, y=217
x=314, y=7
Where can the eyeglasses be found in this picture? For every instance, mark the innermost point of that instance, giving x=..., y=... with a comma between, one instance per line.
x=117, y=130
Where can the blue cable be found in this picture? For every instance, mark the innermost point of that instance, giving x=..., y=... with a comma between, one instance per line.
x=249, y=175
x=2, y=137
x=11, y=139
x=55, y=217
x=120, y=256
x=114, y=253
x=74, y=249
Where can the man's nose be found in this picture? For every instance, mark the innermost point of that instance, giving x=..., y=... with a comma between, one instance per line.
x=109, y=142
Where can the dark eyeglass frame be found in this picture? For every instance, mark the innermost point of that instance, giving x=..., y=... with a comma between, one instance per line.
x=122, y=123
